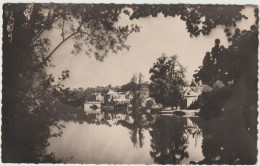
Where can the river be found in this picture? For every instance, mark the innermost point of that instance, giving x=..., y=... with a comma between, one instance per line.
x=136, y=138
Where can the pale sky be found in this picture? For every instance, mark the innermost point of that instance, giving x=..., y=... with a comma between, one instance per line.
x=158, y=35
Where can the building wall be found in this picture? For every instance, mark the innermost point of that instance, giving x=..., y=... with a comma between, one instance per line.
x=100, y=98
x=190, y=100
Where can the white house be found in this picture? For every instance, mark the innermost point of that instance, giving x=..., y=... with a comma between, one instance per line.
x=191, y=93
x=111, y=95
x=120, y=97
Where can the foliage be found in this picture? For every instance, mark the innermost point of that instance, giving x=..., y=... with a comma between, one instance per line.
x=30, y=96
x=226, y=141
x=231, y=77
x=200, y=19
x=167, y=81
x=233, y=68
x=134, y=84
x=212, y=102
x=76, y=97
x=136, y=87
x=168, y=140
x=150, y=103
x=136, y=128
x=227, y=64
x=28, y=93
x=131, y=86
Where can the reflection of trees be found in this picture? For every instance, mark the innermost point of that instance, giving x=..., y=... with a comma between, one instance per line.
x=169, y=140
x=231, y=138
x=225, y=142
x=136, y=128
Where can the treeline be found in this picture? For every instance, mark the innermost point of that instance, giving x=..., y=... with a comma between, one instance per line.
x=226, y=70
x=77, y=96
x=230, y=91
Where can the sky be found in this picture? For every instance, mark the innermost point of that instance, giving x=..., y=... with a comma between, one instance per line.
x=158, y=35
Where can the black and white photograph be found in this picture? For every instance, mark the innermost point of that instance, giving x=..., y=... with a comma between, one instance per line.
x=129, y=83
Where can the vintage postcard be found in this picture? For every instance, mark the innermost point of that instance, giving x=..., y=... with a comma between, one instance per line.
x=129, y=83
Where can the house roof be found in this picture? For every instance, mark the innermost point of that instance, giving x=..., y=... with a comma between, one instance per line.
x=193, y=84
x=111, y=92
x=99, y=94
x=192, y=90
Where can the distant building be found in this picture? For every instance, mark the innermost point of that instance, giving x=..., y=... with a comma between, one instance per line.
x=99, y=97
x=191, y=94
x=129, y=96
x=120, y=97
x=96, y=97
x=110, y=96
x=92, y=97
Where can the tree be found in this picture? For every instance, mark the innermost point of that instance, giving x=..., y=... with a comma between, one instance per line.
x=236, y=67
x=230, y=65
x=134, y=84
x=209, y=16
x=167, y=81
x=28, y=100
x=227, y=64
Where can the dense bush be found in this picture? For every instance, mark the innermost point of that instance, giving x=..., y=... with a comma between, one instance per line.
x=212, y=102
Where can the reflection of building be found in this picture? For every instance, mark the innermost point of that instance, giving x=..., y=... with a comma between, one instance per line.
x=191, y=94
x=92, y=107
x=112, y=119
x=195, y=139
x=193, y=130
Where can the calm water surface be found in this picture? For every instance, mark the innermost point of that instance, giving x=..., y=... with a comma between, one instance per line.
x=108, y=138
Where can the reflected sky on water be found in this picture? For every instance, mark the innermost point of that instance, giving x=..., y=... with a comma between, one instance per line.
x=90, y=143
x=194, y=147
x=124, y=139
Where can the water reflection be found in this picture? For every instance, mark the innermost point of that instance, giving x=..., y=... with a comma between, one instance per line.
x=90, y=143
x=135, y=122
x=169, y=140
x=174, y=141
x=129, y=137
x=226, y=141
x=195, y=140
